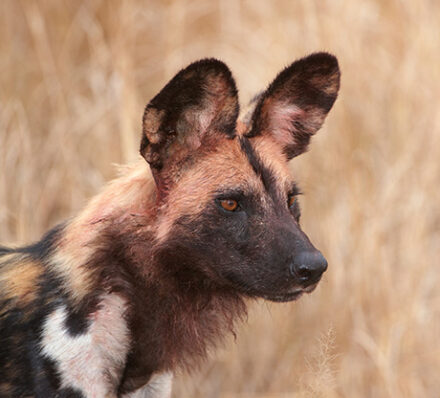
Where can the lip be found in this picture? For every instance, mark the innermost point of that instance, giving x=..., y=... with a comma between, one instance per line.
x=286, y=297
x=290, y=296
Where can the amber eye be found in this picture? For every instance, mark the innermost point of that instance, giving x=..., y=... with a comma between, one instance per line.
x=291, y=201
x=229, y=204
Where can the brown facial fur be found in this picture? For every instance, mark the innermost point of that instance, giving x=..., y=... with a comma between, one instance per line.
x=223, y=167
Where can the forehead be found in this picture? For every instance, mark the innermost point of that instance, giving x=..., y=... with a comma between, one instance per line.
x=252, y=165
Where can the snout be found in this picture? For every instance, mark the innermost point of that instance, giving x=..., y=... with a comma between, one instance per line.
x=308, y=267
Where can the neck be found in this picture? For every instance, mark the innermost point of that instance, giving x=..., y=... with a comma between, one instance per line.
x=175, y=313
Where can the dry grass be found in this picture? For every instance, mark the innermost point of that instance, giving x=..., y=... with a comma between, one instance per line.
x=74, y=77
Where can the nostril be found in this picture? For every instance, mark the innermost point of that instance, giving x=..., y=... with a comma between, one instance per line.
x=303, y=272
x=308, y=266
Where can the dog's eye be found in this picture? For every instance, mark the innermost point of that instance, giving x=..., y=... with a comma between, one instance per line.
x=291, y=201
x=229, y=204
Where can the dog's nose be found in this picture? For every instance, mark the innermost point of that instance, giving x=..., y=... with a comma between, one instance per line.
x=308, y=266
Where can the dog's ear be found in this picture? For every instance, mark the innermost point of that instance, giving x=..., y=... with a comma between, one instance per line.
x=199, y=102
x=294, y=106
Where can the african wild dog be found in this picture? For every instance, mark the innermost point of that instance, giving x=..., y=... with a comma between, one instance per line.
x=155, y=270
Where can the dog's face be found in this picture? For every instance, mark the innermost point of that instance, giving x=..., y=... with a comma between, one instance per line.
x=227, y=204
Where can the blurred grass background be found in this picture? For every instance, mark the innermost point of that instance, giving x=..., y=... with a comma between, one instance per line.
x=75, y=76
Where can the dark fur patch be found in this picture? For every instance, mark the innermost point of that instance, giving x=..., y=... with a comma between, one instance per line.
x=22, y=365
x=266, y=175
x=43, y=370
x=44, y=247
x=69, y=393
x=5, y=250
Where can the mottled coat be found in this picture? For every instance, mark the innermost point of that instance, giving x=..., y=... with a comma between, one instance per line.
x=156, y=269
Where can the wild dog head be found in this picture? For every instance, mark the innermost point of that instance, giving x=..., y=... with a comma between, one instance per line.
x=227, y=204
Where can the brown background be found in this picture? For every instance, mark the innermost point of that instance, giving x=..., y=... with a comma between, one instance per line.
x=75, y=76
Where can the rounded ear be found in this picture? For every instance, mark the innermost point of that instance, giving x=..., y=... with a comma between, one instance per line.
x=295, y=105
x=200, y=101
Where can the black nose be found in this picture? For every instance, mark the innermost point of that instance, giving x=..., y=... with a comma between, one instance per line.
x=308, y=266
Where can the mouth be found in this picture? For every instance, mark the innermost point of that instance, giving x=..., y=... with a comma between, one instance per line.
x=290, y=296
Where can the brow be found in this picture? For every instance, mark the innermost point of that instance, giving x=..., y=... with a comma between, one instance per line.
x=266, y=175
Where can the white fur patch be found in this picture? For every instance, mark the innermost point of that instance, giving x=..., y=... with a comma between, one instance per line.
x=91, y=362
x=158, y=387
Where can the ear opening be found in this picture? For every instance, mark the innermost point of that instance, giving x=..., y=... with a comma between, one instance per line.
x=296, y=103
